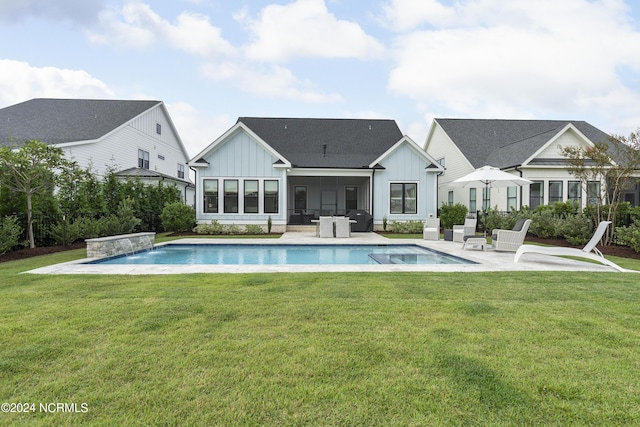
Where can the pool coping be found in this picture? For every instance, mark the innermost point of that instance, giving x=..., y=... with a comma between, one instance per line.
x=486, y=261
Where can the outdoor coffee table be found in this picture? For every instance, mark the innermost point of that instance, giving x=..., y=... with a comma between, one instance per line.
x=474, y=242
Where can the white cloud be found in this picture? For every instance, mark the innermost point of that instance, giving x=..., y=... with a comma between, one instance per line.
x=137, y=25
x=305, y=28
x=520, y=58
x=196, y=128
x=273, y=82
x=20, y=81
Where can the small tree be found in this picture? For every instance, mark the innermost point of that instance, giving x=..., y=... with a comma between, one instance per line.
x=613, y=163
x=34, y=168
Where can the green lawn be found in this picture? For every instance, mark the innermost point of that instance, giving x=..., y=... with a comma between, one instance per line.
x=548, y=348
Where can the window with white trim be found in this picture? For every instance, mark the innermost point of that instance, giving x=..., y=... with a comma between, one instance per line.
x=210, y=195
x=143, y=159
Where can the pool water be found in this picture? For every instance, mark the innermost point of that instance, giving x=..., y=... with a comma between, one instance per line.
x=234, y=254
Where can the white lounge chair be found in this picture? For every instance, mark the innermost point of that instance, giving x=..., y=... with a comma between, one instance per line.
x=585, y=252
x=325, y=226
x=343, y=226
x=510, y=240
x=431, y=229
x=468, y=229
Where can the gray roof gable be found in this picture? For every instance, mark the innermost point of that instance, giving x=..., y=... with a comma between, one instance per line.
x=56, y=121
x=508, y=143
x=326, y=143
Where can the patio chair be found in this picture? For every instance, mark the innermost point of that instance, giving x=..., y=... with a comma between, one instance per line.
x=431, y=229
x=589, y=251
x=325, y=226
x=510, y=240
x=343, y=226
x=467, y=229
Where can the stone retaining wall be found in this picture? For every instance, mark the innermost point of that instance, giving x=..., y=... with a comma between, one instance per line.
x=118, y=245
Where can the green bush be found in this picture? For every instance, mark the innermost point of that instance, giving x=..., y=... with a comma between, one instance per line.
x=406, y=227
x=253, y=229
x=64, y=232
x=10, y=232
x=231, y=229
x=544, y=224
x=576, y=229
x=178, y=216
x=629, y=236
x=451, y=215
x=215, y=228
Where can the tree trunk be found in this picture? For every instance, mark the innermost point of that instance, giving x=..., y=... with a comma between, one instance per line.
x=32, y=242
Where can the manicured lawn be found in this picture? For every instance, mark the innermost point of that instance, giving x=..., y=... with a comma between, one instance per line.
x=548, y=348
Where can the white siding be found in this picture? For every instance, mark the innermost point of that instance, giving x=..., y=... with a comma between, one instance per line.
x=553, y=150
x=119, y=149
x=404, y=165
x=241, y=157
x=456, y=165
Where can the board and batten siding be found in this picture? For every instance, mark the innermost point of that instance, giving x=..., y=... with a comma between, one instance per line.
x=554, y=149
x=404, y=165
x=241, y=157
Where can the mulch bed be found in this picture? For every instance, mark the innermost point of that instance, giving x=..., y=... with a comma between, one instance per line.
x=614, y=250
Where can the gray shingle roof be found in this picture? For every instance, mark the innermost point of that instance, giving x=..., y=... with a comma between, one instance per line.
x=507, y=143
x=56, y=121
x=350, y=143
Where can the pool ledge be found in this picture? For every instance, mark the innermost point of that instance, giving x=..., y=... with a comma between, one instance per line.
x=486, y=261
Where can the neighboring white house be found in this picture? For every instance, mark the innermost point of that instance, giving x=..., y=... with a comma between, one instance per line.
x=526, y=148
x=293, y=170
x=134, y=138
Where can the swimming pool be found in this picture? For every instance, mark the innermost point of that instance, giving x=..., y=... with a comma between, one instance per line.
x=285, y=254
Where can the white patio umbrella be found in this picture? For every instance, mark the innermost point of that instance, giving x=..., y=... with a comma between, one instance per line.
x=489, y=176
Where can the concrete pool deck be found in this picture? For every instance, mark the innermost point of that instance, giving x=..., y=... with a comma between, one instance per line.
x=488, y=260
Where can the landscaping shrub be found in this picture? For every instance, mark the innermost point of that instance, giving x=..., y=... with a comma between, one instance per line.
x=215, y=228
x=178, y=216
x=629, y=236
x=407, y=227
x=253, y=229
x=544, y=223
x=576, y=229
x=451, y=215
x=64, y=232
x=10, y=232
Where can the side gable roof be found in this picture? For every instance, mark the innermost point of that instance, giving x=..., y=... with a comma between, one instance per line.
x=507, y=143
x=326, y=143
x=56, y=121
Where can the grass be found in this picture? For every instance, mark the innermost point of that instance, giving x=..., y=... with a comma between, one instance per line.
x=553, y=348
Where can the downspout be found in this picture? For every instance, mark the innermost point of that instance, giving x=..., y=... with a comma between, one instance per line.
x=195, y=193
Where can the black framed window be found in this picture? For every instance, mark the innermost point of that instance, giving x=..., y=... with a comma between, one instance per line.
x=574, y=192
x=210, y=195
x=251, y=196
x=486, y=198
x=403, y=198
x=555, y=191
x=593, y=193
x=271, y=196
x=180, y=171
x=230, y=196
x=536, y=194
x=158, y=128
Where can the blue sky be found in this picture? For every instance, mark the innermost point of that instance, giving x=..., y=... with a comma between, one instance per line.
x=212, y=61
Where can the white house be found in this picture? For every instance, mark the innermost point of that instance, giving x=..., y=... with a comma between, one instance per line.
x=526, y=148
x=134, y=138
x=293, y=170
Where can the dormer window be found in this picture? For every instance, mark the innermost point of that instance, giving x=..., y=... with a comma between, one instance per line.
x=143, y=159
x=158, y=128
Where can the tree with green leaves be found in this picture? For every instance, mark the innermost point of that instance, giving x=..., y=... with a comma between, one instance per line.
x=615, y=162
x=33, y=168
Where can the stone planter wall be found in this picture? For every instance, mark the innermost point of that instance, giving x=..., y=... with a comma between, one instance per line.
x=118, y=245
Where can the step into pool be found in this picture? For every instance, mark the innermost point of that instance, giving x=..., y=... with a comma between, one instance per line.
x=289, y=254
